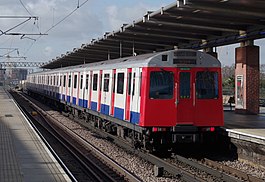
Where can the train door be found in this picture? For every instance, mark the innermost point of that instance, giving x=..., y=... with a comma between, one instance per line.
x=69, y=86
x=64, y=93
x=186, y=97
x=209, y=107
x=75, y=88
x=85, y=89
x=95, y=91
x=113, y=83
x=120, y=95
x=135, y=95
x=81, y=90
x=106, y=93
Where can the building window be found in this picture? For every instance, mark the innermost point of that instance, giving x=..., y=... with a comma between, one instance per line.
x=161, y=85
x=95, y=82
x=120, y=83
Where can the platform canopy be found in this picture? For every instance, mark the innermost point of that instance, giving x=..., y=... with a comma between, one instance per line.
x=188, y=24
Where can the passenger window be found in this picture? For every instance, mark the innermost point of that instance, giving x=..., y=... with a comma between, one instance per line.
x=120, y=83
x=69, y=81
x=64, y=80
x=81, y=81
x=161, y=85
x=75, y=81
x=207, y=85
x=184, y=86
x=60, y=80
x=95, y=82
x=106, y=83
x=87, y=77
x=133, y=84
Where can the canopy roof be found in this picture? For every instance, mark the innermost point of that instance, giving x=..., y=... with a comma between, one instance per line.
x=188, y=24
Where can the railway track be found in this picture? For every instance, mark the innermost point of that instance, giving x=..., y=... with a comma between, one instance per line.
x=96, y=165
x=192, y=170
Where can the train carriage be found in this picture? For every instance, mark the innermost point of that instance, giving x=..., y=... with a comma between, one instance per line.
x=166, y=97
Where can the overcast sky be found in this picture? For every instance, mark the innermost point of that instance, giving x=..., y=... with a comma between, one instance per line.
x=91, y=20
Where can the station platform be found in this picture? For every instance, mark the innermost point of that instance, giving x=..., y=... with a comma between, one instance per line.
x=23, y=155
x=246, y=127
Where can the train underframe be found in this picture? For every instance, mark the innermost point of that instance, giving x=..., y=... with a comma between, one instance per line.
x=150, y=138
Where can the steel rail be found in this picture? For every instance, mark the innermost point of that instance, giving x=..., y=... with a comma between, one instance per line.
x=24, y=114
x=121, y=170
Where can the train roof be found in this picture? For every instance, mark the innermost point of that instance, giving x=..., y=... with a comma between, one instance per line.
x=176, y=58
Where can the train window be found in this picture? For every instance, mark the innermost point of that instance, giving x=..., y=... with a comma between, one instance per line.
x=54, y=80
x=64, y=80
x=133, y=84
x=95, y=82
x=75, y=81
x=129, y=83
x=106, y=83
x=87, y=77
x=164, y=57
x=120, y=83
x=60, y=80
x=69, y=81
x=184, y=86
x=161, y=85
x=114, y=82
x=81, y=81
x=207, y=85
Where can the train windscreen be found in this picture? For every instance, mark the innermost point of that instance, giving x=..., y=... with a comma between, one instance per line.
x=161, y=85
x=207, y=85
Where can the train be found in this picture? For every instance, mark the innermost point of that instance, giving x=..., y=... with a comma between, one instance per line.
x=161, y=98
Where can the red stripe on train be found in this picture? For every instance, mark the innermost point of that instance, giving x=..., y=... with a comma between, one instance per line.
x=128, y=95
x=113, y=92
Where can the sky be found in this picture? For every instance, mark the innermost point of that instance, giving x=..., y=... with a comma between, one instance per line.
x=90, y=21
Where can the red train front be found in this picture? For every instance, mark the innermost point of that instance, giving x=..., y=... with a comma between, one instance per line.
x=184, y=101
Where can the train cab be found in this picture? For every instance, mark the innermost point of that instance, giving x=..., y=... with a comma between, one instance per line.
x=184, y=94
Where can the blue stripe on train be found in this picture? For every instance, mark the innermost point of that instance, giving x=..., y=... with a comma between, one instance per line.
x=68, y=98
x=135, y=117
x=63, y=97
x=118, y=113
x=82, y=103
x=94, y=106
x=74, y=100
x=104, y=109
x=58, y=96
